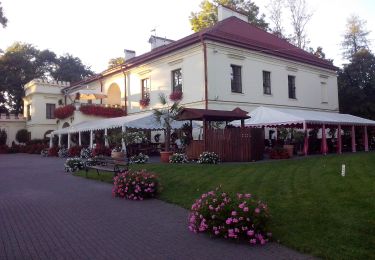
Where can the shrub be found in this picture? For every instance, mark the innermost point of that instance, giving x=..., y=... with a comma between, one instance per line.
x=3, y=137
x=101, y=150
x=86, y=153
x=135, y=185
x=139, y=159
x=74, y=164
x=74, y=151
x=178, y=158
x=53, y=151
x=64, y=112
x=22, y=136
x=44, y=152
x=63, y=152
x=237, y=217
x=208, y=158
x=4, y=149
x=15, y=148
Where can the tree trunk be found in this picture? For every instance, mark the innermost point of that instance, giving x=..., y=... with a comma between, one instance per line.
x=167, y=139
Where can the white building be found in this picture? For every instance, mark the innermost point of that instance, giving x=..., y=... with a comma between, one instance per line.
x=233, y=64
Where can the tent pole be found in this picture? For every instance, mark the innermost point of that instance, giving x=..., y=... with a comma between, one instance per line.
x=105, y=137
x=306, y=140
x=324, y=147
x=365, y=138
x=59, y=140
x=79, y=139
x=50, y=141
x=91, y=140
x=339, y=140
x=353, y=139
x=68, y=140
x=123, y=130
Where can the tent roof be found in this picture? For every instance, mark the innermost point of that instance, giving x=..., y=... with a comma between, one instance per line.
x=141, y=121
x=266, y=116
x=212, y=115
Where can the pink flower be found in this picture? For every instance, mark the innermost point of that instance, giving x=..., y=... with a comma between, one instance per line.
x=228, y=221
x=257, y=210
x=217, y=232
x=250, y=233
x=253, y=241
x=245, y=209
x=234, y=213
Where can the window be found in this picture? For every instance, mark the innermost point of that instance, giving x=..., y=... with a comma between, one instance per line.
x=28, y=112
x=324, y=92
x=236, y=79
x=292, y=86
x=177, y=80
x=146, y=89
x=50, y=111
x=267, y=82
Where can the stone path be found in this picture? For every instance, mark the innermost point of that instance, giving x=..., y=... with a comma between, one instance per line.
x=46, y=213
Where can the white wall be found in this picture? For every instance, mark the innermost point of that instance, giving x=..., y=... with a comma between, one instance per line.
x=308, y=81
x=11, y=126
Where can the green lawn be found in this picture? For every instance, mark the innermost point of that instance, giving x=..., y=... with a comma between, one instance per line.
x=314, y=209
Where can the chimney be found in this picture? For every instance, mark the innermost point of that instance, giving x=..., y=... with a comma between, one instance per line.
x=129, y=54
x=158, y=41
x=224, y=12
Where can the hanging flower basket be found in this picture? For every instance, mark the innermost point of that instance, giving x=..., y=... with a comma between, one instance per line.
x=176, y=96
x=144, y=102
x=64, y=112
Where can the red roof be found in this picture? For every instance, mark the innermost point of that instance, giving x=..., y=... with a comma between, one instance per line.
x=211, y=114
x=232, y=31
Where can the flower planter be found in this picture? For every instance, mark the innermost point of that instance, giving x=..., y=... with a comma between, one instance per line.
x=290, y=149
x=164, y=156
x=120, y=156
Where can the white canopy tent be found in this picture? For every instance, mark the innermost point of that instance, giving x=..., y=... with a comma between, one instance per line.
x=140, y=121
x=269, y=117
x=282, y=117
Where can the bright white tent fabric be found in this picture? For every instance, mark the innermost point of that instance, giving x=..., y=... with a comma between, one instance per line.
x=266, y=116
x=141, y=121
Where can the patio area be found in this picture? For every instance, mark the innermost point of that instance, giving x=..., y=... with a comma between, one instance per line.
x=46, y=213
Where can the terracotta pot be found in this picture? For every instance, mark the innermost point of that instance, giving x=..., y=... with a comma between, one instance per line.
x=290, y=149
x=164, y=156
x=120, y=156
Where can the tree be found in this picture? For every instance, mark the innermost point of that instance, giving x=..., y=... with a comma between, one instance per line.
x=70, y=68
x=22, y=136
x=208, y=16
x=3, y=19
x=115, y=62
x=300, y=16
x=275, y=8
x=356, y=82
x=18, y=65
x=355, y=37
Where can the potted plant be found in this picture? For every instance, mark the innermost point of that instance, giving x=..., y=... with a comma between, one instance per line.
x=165, y=116
x=285, y=135
x=115, y=141
x=298, y=138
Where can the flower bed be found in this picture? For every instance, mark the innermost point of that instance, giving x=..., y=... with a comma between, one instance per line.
x=4, y=149
x=86, y=153
x=208, y=158
x=53, y=151
x=64, y=112
x=139, y=159
x=94, y=110
x=74, y=151
x=239, y=217
x=101, y=150
x=135, y=185
x=63, y=152
x=73, y=164
x=279, y=153
x=178, y=158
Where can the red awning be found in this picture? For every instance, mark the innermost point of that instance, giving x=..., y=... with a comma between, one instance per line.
x=212, y=115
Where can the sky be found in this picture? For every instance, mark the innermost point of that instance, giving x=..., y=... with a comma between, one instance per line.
x=96, y=31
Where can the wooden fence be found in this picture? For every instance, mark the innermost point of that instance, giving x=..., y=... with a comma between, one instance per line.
x=231, y=144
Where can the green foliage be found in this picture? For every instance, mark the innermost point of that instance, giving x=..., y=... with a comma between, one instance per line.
x=23, y=62
x=166, y=115
x=356, y=85
x=22, y=136
x=207, y=16
x=3, y=137
x=115, y=62
x=70, y=68
x=355, y=37
x=3, y=19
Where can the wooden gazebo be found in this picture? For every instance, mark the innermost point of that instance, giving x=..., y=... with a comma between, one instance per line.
x=231, y=143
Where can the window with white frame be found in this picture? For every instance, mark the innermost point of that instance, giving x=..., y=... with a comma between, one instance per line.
x=176, y=80
x=146, y=88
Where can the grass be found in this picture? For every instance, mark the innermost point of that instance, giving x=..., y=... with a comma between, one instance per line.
x=314, y=209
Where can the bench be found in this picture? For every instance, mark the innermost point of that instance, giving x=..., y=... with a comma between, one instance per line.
x=106, y=164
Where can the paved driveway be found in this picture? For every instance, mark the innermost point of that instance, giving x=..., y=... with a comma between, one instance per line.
x=48, y=214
